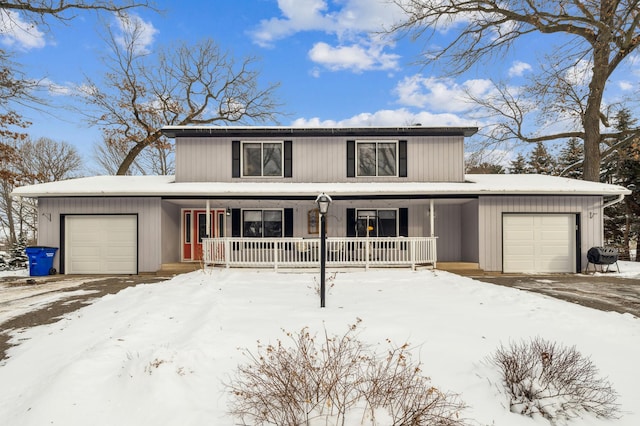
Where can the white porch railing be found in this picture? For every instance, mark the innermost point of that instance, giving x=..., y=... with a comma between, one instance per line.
x=299, y=252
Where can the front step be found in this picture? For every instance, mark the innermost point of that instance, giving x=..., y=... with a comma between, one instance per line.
x=179, y=267
x=461, y=268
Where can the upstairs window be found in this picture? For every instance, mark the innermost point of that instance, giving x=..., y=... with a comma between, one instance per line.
x=262, y=159
x=376, y=158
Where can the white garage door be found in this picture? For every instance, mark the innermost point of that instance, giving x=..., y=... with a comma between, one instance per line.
x=101, y=244
x=539, y=243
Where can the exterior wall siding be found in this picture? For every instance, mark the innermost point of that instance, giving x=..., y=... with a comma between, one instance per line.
x=491, y=210
x=321, y=159
x=171, y=236
x=449, y=232
x=469, y=227
x=149, y=223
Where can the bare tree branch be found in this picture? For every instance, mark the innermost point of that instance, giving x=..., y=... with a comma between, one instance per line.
x=598, y=36
x=41, y=9
x=186, y=84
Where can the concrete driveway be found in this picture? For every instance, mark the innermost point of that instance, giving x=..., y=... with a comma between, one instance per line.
x=600, y=291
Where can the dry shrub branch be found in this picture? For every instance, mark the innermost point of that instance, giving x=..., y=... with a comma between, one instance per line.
x=554, y=381
x=336, y=380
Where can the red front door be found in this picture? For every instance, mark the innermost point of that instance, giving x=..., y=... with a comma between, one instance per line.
x=194, y=229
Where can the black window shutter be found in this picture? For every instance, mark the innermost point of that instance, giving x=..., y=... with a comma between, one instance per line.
x=236, y=223
x=402, y=158
x=351, y=222
x=288, y=222
x=235, y=158
x=403, y=222
x=351, y=158
x=287, y=159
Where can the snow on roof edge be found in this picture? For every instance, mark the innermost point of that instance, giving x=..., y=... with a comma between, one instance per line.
x=474, y=185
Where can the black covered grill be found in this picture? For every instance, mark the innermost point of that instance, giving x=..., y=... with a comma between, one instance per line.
x=602, y=255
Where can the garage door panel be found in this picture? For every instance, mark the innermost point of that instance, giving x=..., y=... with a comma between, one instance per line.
x=519, y=235
x=100, y=244
x=526, y=251
x=539, y=243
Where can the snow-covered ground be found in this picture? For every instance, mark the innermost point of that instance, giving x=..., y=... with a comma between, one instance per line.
x=158, y=354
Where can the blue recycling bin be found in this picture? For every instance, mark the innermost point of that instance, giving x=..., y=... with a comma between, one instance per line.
x=41, y=260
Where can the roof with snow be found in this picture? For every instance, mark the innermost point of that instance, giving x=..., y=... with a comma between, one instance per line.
x=167, y=187
x=263, y=131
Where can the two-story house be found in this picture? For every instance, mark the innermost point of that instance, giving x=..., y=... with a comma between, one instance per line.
x=246, y=196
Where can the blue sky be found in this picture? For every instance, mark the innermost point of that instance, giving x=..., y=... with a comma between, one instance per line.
x=333, y=68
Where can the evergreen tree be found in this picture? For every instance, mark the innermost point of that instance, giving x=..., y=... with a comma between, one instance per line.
x=486, y=169
x=18, y=258
x=540, y=161
x=622, y=221
x=570, y=159
x=518, y=166
x=3, y=262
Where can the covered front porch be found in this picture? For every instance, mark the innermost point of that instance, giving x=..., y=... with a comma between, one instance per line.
x=306, y=252
x=273, y=232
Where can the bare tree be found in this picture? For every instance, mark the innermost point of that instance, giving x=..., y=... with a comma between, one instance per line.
x=598, y=35
x=15, y=86
x=38, y=10
x=185, y=84
x=48, y=160
x=44, y=160
x=157, y=159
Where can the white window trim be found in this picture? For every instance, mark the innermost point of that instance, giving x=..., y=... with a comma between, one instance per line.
x=261, y=175
x=377, y=141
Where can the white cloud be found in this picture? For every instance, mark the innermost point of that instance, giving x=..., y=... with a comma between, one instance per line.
x=55, y=89
x=579, y=74
x=625, y=85
x=356, y=25
x=356, y=58
x=133, y=28
x=518, y=68
x=382, y=118
x=440, y=94
x=14, y=31
x=353, y=18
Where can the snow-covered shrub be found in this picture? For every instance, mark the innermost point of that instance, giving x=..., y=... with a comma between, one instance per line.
x=336, y=380
x=4, y=265
x=554, y=381
x=18, y=258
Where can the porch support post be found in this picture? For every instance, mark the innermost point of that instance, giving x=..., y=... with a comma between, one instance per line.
x=208, y=219
x=432, y=220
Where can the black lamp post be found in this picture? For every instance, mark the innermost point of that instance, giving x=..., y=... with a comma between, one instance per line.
x=323, y=202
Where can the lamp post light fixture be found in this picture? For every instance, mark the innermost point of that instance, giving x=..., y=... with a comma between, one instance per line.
x=323, y=201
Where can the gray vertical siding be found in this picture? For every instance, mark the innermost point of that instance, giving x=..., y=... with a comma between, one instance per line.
x=171, y=236
x=469, y=228
x=449, y=232
x=149, y=222
x=321, y=159
x=490, y=222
